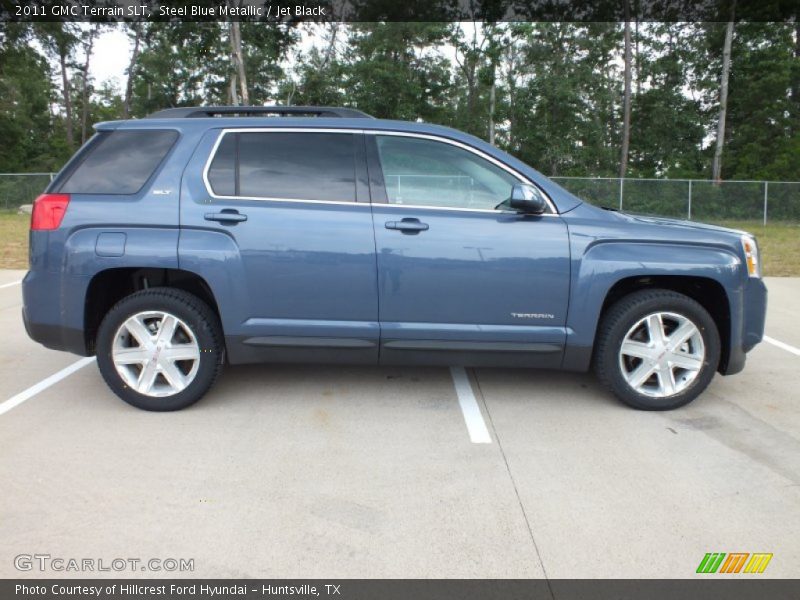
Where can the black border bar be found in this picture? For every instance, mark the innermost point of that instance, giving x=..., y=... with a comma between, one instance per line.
x=711, y=587
x=288, y=11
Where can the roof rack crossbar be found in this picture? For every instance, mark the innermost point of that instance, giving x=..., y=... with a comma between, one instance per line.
x=190, y=112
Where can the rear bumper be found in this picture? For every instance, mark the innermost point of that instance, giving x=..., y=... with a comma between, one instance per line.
x=45, y=320
x=747, y=326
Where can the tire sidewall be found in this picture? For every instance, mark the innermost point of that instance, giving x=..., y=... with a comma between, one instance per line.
x=673, y=303
x=192, y=315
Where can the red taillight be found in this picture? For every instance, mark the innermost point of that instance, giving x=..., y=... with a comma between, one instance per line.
x=48, y=211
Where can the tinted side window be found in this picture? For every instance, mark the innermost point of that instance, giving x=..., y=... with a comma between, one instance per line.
x=431, y=173
x=284, y=165
x=121, y=162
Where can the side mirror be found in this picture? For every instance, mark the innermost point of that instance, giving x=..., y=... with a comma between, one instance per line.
x=527, y=199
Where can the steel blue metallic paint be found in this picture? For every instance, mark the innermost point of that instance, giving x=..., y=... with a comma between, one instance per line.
x=608, y=247
x=468, y=275
x=305, y=281
x=308, y=263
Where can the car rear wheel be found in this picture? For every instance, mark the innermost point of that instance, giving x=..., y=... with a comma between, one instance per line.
x=657, y=349
x=160, y=349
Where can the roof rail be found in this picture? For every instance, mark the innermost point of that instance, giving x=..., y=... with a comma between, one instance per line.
x=193, y=112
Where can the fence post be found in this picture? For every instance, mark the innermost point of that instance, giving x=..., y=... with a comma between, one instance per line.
x=690, y=200
x=766, y=192
x=621, y=182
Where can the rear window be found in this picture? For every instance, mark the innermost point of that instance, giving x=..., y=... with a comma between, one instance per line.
x=120, y=162
x=291, y=166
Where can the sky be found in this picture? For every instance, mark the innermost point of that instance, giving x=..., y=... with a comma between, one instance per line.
x=111, y=56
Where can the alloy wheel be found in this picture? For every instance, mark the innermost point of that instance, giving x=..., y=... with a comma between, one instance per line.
x=156, y=353
x=662, y=354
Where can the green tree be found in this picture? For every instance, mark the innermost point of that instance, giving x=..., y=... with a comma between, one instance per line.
x=180, y=64
x=668, y=121
x=59, y=40
x=189, y=63
x=33, y=139
x=318, y=78
x=567, y=91
x=265, y=47
x=762, y=142
x=394, y=70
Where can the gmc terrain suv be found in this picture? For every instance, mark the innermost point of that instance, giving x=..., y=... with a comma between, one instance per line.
x=173, y=244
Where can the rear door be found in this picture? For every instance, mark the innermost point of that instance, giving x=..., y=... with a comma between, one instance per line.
x=461, y=282
x=279, y=220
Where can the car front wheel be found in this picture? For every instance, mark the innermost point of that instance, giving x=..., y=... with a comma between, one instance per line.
x=657, y=349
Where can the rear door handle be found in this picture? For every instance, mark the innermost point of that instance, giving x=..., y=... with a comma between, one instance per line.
x=227, y=215
x=411, y=226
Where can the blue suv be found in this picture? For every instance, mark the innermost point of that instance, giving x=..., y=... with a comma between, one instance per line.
x=171, y=245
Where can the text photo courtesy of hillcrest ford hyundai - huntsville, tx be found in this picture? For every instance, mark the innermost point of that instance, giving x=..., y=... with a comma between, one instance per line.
x=267, y=345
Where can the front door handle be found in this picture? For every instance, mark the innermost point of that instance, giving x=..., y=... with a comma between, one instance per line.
x=410, y=226
x=226, y=216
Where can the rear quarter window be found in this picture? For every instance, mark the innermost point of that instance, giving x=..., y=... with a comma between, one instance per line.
x=120, y=162
x=317, y=166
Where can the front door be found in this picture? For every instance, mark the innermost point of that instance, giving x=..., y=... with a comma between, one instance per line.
x=278, y=222
x=459, y=281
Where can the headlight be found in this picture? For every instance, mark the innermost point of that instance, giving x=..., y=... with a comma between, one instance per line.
x=751, y=255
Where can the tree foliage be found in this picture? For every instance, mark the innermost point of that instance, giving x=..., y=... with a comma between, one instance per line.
x=550, y=93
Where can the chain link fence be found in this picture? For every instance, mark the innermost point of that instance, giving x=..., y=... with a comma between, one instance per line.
x=17, y=189
x=694, y=199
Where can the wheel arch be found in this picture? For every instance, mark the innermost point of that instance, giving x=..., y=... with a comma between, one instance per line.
x=109, y=286
x=708, y=292
x=604, y=271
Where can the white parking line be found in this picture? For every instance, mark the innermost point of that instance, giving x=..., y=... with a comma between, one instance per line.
x=44, y=384
x=478, y=433
x=5, y=285
x=782, y=346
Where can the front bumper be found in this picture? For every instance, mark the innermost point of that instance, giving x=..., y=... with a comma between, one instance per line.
x=747, y=325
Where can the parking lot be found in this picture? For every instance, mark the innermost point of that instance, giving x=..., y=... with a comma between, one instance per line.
x=317, y=471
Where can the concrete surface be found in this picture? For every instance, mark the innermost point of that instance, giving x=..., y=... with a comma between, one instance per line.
x=308, y=471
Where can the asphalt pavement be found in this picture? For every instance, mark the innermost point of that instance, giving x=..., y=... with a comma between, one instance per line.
x=319, y=471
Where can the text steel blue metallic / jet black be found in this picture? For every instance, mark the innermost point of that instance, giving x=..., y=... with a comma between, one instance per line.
x=171, y=245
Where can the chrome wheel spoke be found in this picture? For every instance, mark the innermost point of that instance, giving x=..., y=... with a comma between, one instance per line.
x=669, y=361
x=655, y=329
x=686, y=361
x=174, y=376
x=682, y=334
x=637, y=350
x=166, y=329
x=136, y=327
x=131, y=356
x=148, y=359
x=181, y=352
x=666, y=382
x=640, y=375
x=147, y=378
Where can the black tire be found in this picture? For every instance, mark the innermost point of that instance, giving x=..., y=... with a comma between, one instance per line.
x=195, y=314
x=624, y=314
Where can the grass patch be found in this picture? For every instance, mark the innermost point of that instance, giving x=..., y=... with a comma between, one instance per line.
x=779, y=243
x=14, y=240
